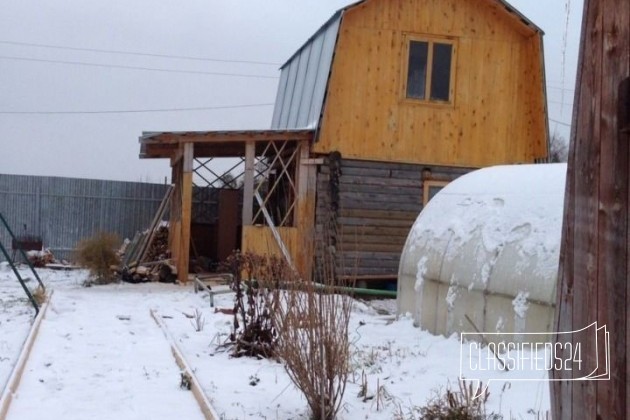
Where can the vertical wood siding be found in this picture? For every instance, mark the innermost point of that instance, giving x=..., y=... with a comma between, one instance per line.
x=498, y=113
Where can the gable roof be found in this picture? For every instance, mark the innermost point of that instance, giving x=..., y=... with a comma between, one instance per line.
x=304, y=77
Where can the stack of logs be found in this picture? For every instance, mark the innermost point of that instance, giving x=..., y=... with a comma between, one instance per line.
x=147, y=258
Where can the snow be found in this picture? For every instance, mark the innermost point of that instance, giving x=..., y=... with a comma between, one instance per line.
x=99, y=354
x=517, y=207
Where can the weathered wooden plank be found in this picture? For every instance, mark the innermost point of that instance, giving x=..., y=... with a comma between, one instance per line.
x=380, y=256
x=370, y=197
x=586, y=220
x=375, y=181
x=382, y=189
x=389, y=231
x=594, y=271
x=364, y=271
x=355, y=238
x=612, y=279
x=362, y=221
x=361, y=263
x=353, y=163
x=381, y=205
x=373, y=247
x=379, y=214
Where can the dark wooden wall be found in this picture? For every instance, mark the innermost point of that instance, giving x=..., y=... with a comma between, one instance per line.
x=594, y=272
x=368, y=209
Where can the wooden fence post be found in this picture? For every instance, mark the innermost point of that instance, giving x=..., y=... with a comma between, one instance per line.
x=594, y=283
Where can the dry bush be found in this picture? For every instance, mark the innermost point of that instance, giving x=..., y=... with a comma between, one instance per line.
x=98, y=254
x=39, y=294
x=304, y=324
x=458, y=405
x=254, y=333
x=312, y=324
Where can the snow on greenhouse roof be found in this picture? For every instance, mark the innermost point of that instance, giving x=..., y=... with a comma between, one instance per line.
x=498, y=226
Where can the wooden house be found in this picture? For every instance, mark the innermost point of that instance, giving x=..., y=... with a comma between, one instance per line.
x=386, y=103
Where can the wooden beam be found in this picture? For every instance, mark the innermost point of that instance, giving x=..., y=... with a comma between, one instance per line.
x=227, y=136
x=184, y=244
x=248, y=183
x=306, y=192
x=176, y=156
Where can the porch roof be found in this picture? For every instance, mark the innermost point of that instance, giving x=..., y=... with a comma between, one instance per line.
x=156, y=145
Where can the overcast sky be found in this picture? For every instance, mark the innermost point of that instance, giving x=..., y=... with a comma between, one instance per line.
x=36, y=82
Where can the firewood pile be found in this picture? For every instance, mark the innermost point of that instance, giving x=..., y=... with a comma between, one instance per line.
x=40, y=258
x=158, y=249
x=147, y=258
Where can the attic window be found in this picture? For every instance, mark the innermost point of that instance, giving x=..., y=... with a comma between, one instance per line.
x=429, y=70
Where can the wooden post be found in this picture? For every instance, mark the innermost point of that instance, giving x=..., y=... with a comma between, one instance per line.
x=594, y=278
x=186, y=216
x=248, y=183
x=305, y=221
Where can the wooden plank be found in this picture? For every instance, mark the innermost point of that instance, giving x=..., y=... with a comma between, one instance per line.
x=186, y=214
x=369, y=197
x=260, y=240
x=381, y=256
x=379, y=214
x=354, y=237
x=381, y=205
x=206, y=408
x=18, y=370
x=388, y=231
x=383, y=189
x=227, y=136
x=360, y=221
x=614, y=175
x=248, y=183
x=365, y=271
x=359, y=263
x=373, y=247
x=284, y=251
x=594, y=270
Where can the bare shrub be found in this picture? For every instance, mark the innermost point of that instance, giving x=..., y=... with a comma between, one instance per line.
x=198, y=321
x=98, y=254
x=458, y=405
x=254, y=333
x=312, y=323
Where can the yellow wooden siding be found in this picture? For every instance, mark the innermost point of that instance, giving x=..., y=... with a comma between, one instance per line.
x=497, y=114
x=260, y=240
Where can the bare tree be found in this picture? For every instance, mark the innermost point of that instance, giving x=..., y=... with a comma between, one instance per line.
x=558, y=148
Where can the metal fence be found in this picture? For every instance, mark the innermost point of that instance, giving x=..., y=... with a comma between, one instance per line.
x=62, y=211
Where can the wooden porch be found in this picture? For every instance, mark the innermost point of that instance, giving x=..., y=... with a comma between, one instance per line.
x=277, y=179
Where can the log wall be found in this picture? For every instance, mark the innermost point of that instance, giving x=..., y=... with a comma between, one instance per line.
x=366, y=209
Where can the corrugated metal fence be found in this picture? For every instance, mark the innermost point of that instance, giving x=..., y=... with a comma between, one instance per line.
x=62, y=211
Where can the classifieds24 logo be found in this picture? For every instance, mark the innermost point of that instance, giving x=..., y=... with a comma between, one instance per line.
x=580, y=355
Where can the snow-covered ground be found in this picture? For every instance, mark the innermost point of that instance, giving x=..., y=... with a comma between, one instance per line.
x=100, y=355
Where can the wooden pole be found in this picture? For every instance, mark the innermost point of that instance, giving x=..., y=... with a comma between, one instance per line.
x=594, y=283
x=186, y=216
x=248, y=183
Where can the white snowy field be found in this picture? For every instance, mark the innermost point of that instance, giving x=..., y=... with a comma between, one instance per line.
x=100, y=355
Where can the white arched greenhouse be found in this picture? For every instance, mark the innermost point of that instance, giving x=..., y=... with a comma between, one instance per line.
x=487, y=247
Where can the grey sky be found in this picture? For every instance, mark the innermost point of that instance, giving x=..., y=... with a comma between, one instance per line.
x=105, y=146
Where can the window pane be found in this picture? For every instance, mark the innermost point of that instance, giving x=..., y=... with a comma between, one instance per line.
x=417, y=72
x=441, y=72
